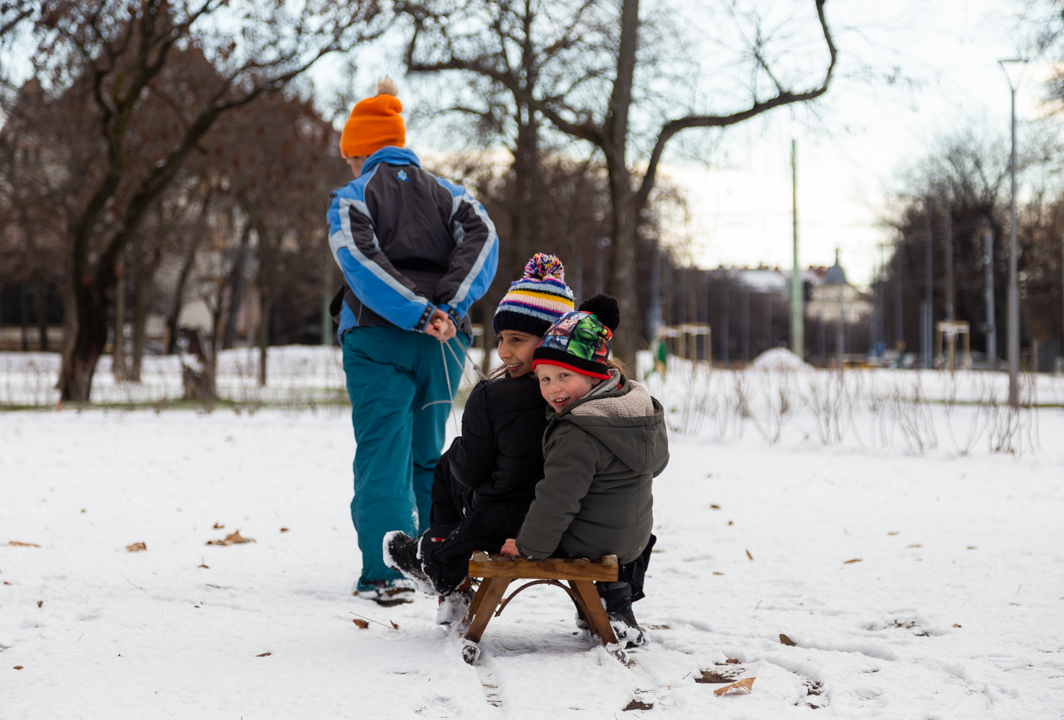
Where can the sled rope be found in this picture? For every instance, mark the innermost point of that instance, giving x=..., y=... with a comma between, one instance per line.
x=447, y=375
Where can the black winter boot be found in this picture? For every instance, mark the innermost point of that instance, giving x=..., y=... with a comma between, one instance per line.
x=617, y=597
x=402, y=553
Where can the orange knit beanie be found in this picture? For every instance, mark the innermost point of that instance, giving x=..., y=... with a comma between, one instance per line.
x=374, y=123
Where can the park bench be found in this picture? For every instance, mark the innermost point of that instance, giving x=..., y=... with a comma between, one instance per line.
x=498, y=571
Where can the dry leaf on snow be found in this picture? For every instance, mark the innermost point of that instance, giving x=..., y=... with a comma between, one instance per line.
x=16, y=543
x=136, y=547
x=732, y=661
x=218, y=526
x=393, y=624
x=265, y=654
x=361, y=623
x=749, y=555
x=787, y=641
x=712, y=677
x=232, y=539
x=18, y=667
x=284, y=529
x=40, y=603
x=741, y=687
x=851, y=562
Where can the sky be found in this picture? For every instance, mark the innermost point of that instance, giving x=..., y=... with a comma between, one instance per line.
x=854, y=147
x=853, y=144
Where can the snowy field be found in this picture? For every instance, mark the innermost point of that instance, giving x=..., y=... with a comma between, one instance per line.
x=918, y=572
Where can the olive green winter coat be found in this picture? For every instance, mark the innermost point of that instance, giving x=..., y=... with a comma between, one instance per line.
x=600, y=457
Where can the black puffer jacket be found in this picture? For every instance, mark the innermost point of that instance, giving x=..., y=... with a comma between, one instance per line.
x=499, y=455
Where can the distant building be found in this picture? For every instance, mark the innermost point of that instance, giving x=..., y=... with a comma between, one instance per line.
x=832, y=297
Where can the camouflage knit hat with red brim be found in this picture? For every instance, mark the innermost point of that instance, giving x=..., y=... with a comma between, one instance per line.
x=581, y=340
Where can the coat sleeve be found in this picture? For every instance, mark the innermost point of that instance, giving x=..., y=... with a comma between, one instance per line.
x=472, y=264
x=370, y=274
x=571, y=459
x=472, y=454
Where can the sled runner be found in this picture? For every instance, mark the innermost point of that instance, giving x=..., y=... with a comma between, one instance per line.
x=498, y=571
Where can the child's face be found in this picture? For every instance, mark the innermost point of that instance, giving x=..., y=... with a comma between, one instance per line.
x=515, y=350
x=561, y=387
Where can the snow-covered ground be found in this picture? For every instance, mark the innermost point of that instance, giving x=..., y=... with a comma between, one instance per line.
x=915, y=582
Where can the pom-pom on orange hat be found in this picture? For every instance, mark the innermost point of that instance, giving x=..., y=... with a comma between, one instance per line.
x=374, y=123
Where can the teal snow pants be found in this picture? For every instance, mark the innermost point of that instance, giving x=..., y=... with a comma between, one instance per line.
x=392, y=376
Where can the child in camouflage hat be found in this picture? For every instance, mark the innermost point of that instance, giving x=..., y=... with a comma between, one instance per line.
x=604, y=444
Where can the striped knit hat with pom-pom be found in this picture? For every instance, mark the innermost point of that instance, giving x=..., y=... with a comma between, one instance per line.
x=536, y=300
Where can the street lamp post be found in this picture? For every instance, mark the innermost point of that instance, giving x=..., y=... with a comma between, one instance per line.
x=1014, y=72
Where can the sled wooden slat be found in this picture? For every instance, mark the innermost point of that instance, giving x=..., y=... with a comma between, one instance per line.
x=498, y=571
x=502, y=566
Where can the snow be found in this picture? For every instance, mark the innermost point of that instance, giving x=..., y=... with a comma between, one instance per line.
x=953, y=610
x=779, y=359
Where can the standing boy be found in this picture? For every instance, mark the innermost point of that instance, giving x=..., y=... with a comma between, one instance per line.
x=416, y=251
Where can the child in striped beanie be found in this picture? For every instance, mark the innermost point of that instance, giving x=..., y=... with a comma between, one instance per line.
x=485, y=482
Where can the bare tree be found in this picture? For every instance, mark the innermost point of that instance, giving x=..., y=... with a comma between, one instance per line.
x=536, y=45
x=116, y=55
x=606, y=121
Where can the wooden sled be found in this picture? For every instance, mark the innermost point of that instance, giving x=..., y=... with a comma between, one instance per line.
x=498, y=571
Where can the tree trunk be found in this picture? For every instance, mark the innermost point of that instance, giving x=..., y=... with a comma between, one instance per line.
x=24, y=317
x=622, y=273
x=269, y=248
x=41, y=313
x=88, y=336
x=527, y=190
x=144, y=269
x=264, y=337
x=140, y=322
x=229, y=338
x=179, y=295
x=118, y=348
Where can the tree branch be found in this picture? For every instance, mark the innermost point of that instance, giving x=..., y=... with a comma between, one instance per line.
x=782, y=97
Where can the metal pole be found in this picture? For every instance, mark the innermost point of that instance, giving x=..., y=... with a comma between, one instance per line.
x=991, y=326
x=797, y=295
x=655, y=291
x=768, y=319
x=899, y=330
x=1013, y=318
x=925, y=342
x=725, y=312
x=1014, y=289
x=947, y=210
x=746, y=323
x=840, y=328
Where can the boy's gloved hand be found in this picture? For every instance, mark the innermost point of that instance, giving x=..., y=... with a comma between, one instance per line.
x=510, y=548
x=441, y=326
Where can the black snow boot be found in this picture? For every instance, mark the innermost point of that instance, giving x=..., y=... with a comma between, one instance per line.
x=402, y=553
x=617, y=597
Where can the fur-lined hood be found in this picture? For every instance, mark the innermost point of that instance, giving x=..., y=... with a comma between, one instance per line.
x=624, y=417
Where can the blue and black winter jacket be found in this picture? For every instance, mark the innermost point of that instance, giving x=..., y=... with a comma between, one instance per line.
x=408, y=243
